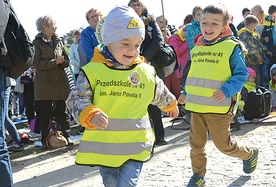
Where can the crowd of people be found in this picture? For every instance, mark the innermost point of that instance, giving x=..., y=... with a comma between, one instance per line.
x=118, y=99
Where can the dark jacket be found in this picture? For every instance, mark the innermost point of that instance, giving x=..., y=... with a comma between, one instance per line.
x=268, y=32
x=151, y=45
x=51, y=82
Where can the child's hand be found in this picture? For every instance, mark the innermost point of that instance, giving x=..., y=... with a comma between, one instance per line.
x=260, y=58
x=218, y=95
x=269, y=53
x=266, y=39
x=100, y=120
x=173, y=113
x=182, y=99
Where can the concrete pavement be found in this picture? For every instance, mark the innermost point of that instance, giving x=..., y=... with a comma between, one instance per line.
x=170, y=166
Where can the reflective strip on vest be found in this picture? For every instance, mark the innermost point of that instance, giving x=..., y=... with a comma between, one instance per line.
x=120, y=141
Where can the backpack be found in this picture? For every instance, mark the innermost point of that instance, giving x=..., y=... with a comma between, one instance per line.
x=166, y=55
x=20, y=50
x=258, y=104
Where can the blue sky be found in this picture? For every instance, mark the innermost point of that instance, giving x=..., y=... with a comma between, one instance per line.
x=70, y=14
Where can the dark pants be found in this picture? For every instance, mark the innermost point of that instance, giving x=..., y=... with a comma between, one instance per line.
x=46, y=108
x=156, y=119
x=29, y=100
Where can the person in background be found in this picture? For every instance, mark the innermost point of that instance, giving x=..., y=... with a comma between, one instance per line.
x=9, y=125
x=245, y=12
x=6, y=177
x=74, y=54
x=88, y=35
x=232, y=27
x=149, y=48
x=179, y=43
x=252, y=42
x=118, y=135
x=272, y=87
x=210, y=90
x=268, y=37
x=193, y=29
x=248, y=87
x=188, y=19
x=258, y=11
x=31, y=105
x=51, y=86
x=18, y=101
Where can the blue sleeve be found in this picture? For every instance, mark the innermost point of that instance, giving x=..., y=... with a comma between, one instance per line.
x=239, y=74
x=190, y=37
x=88, y=42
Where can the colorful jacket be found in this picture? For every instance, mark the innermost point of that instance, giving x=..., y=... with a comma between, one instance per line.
x=192, y=31
x=254, y=46
x=182, y=52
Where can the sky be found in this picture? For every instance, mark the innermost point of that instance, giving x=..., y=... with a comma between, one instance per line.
x=70, y=14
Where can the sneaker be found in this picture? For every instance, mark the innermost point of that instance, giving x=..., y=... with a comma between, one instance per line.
x=250, y=165
x=196, y=181
x=16, y=147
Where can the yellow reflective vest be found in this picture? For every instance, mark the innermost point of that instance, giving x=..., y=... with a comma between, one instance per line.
x=210, y=69
x=124, y=95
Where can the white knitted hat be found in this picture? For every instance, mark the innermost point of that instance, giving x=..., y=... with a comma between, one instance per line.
x=122, y=22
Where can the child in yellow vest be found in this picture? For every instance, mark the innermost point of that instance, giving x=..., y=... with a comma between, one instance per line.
x=216, y=75
x=272, y=86
x=111, y=99
x=248, y=87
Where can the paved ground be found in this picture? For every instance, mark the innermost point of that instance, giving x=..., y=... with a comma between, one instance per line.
x=170, y=166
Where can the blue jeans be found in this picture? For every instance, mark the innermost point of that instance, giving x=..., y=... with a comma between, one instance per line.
x=5, y=165
x=9, y=125
x=126, y=175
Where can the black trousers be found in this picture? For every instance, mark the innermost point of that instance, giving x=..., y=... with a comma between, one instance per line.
x=156, y=119
x=46, y=110
x=29, y=101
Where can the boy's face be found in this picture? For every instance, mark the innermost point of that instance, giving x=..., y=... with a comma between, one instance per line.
x=272, y=16
x=197, y=15
x=211, y=25
x=127, y=50
x=252, y=26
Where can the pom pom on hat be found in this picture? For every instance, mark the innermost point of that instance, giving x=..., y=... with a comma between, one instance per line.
x=122, y=22
x=252, y=72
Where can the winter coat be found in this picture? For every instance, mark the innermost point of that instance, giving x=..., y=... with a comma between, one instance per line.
x=269, y=31
x=192, y=30
x=51, y=81
x=271, y=88
x=182, y=52
x=151, y=44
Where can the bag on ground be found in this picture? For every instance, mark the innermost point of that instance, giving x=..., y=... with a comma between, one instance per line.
x=258, y=104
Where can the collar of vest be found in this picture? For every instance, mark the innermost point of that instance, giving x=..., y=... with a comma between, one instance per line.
x=98, y=57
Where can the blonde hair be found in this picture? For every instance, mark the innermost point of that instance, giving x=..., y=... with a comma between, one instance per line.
x=93, y=10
